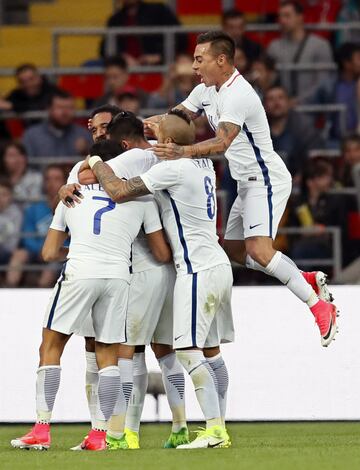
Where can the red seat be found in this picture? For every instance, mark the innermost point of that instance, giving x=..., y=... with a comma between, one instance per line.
x=354, y=225
x=83, y=86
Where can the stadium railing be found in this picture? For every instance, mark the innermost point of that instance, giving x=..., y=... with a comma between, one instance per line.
x=335, y=261
x=169, y=32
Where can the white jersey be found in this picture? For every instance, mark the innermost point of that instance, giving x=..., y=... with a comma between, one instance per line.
x=102, y=233
x=251, y=156
x=132, y=163
x=188, y=211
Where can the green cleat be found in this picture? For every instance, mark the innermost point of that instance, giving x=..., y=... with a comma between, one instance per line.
x=132, y=439
x=116, y=444
x=177, y=439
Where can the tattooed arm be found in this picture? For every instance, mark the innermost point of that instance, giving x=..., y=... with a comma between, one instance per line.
x=225, y=134
x=119, y=190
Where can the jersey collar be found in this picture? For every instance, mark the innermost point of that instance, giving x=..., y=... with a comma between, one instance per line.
x=230, y=80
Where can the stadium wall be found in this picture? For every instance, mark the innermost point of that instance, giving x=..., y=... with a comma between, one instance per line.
x=278, y=370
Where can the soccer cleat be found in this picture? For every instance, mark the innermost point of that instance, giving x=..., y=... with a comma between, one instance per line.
x=226, y=444
x=214, y=437
x=38, y=438
x=80, y=446
x=113, y=443
x=95, y=441
x=132, y=439
x=318, y=281
x=325, y=316
x=177, y=438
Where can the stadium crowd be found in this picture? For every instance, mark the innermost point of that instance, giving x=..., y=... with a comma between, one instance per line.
x=320, y=149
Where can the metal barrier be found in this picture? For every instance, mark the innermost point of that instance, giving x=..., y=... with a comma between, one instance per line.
x=335, y=232
x=335, y=261
x=169, y=32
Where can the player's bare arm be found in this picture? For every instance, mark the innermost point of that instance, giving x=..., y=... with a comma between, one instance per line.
x=118, y=189
x=53, y=249
x=159, y=246
x=225, y=134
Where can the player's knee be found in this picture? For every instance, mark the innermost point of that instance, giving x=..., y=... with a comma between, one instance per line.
x=259, y=252
x=161, y=350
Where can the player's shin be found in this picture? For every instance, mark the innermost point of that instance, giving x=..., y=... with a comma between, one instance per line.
x=108, y=392
x=204, y=382
x=219, y=368
x=140, y=385
x=174, y=383
x=117, y=421
x=92, y=380
x=47, y=386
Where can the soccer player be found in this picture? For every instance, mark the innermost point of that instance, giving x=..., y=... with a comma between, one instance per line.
x=185, y=191
x=94, y=278
x=149, y=317
x=238, y=118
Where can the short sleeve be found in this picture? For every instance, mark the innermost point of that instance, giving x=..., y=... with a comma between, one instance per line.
x=73, y=175
x=162, y=176
x=233, y=108
x=132, y=163
x=194, y=101
x=58, y=221
x=152, y=221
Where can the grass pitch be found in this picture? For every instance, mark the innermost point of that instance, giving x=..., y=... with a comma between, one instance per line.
x=256, y=446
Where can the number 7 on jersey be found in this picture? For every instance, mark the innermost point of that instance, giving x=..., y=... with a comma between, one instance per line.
x=97, y=216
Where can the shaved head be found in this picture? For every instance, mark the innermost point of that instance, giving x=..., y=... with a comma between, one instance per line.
x=176, y=128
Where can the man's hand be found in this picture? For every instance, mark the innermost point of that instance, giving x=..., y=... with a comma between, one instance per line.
x=70, y=194
x=85, y=164
x=87, y=177
x=171, y=151
x=151, y=129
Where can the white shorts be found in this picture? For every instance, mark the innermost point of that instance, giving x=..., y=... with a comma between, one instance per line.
x=202, y=308
x=149, y=315
x=257, y=211
x=106, y=299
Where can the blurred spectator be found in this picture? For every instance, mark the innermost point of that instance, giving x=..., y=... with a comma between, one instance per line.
x=342, y=89
x=233, y=24
x=26, y=183
x=177, y=84
x=33, y=91
x=317, y=208
x=37, y=219
x=10, y=222
x=349, y=12
x=296, y=46
x=116, y=78
x=128, y=100
x=351, y=154
x=241, y=61
x=292, y=135
x=263, y=75
x=58, y=136
x=144, y=49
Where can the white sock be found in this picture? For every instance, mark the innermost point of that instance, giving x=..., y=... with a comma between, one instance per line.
x=284, y=269
x=47, y=386
x=221, y=373
x=174, y=383
x=108, y=393
x=92, y=381
x=117, y=421
x=204, y=382
x=136, y=404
